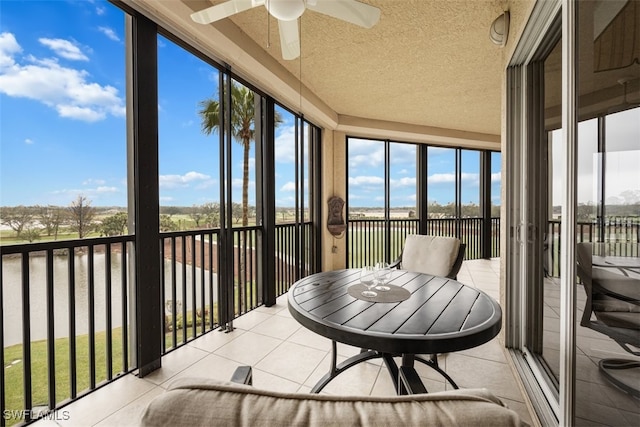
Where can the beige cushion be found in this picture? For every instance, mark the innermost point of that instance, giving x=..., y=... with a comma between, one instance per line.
x=196, y=402
x=429, y=254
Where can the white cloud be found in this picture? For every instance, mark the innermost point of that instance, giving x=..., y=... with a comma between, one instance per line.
x=366, y=180
x=105, y=189
x=8, y=47
x=470, y=178
x=92, y=181
x=66, y=90
x=89, y=193
x=403, y=182
x=28, y=141
x=496, y=177
x=365, y=153
x=181, y=181
x=109, y=33
x=64, y=48
x=285, y=145
x=80, y=113
x=100, y=10
x=441, y=178
x=289, y=186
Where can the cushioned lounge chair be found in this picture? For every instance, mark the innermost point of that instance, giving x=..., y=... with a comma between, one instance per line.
x=198, y=402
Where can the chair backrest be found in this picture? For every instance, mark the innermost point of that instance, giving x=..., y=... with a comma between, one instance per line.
x=612, y=297
x=437, y=255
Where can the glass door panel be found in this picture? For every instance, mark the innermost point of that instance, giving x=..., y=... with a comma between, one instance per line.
x=609, y=181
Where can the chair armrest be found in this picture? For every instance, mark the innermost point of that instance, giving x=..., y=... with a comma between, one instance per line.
x=396, y=263
x=243, y=375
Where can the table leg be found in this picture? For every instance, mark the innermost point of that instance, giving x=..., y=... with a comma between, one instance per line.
x=409, y=381
x=336, y=370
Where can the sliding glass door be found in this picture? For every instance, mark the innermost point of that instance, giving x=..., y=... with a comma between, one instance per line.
x=573, y=134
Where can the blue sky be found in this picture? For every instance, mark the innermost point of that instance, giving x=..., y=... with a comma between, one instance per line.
x=63, y=103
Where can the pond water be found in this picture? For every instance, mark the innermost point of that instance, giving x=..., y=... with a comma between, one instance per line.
x=12, y=294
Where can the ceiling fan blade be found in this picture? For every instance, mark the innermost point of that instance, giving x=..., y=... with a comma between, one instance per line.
x=351, y=11
x=289, y=39
x=222, y=10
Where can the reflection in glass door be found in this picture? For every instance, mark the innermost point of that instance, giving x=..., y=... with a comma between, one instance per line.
x=608, y=212
x=600, y=207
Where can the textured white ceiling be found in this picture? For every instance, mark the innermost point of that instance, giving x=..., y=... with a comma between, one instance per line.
x=426, y=62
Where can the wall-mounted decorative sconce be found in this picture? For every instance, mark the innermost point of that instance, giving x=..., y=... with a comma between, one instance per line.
x=335, y=221
x=499, y=31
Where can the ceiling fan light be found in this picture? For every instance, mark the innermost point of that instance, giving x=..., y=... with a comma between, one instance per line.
x=285, y=10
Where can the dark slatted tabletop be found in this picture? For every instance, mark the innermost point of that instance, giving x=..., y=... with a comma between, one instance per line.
x=440, y=316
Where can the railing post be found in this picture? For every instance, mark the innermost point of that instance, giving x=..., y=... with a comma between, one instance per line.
x=485, y=203
x=268, y=244
x=144, y=167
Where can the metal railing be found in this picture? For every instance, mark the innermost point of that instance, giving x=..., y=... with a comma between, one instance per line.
x=621, y=238
x=293, y=260
x=64, y=328
x=367, y=237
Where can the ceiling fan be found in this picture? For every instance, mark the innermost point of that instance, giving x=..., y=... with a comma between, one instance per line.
x=287, y=13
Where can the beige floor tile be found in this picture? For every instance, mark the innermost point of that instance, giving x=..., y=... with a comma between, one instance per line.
x=492, y=350
x=355, y=381
x=211, y=367
x=384, y=385
x=250, y=320
x=280, y=305
x=292, y=361
x=215, y=339
x=131, y=415
x=304, y=336
x=97, y=406
x=494, y=376
x=248, y=348
x=267, y=381
x=174, y=362
x=520, y=408
x=277, y=327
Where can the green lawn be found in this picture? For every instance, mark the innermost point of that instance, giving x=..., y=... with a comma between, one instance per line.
x=13, y=369
x=13, y=365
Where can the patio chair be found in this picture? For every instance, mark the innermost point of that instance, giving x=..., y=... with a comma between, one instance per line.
x=199, y=402
x=436, y=255
x=614, y=300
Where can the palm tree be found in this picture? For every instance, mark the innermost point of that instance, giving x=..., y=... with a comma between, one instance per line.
x=242, y=129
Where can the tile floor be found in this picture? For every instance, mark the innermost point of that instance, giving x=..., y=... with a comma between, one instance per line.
x=287, y=357
x=597, y=401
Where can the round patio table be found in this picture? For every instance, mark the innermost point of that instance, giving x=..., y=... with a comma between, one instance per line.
x=440, y=315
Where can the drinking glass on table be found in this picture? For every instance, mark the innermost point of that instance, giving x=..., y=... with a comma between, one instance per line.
x=383, y=273
x=368, y=278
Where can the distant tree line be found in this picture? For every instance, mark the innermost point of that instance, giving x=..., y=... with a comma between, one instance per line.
x=435, y=210
x=32, y=223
